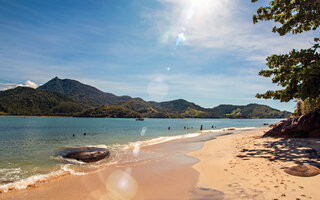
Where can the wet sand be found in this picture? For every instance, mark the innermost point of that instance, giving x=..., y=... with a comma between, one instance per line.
x=246, y=166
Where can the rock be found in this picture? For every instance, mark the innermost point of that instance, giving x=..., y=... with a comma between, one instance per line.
x=303, y=170
x=86, y=154
x=302, y=127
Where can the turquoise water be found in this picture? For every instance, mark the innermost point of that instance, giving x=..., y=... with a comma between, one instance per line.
x=29, y=145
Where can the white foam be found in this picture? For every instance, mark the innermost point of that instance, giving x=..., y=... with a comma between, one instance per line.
x=32, y=180
x=10, y=174
x=159, y=140
x=67, y=160
x=98, y=146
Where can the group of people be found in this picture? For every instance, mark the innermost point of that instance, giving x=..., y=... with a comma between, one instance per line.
x=186, y=128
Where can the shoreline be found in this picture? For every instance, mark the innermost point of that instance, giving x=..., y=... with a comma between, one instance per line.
x=133, y=117
x=68, y=168
x=235, y=164
x=170, y=169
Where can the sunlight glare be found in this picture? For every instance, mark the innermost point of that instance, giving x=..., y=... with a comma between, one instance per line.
x=121, y=185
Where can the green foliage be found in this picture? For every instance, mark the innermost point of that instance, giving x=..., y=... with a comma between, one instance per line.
x=311, y=104
x=193, y=113
x=138, y=105
x=28, y=101
x=298, y=72
x=110, y=111
x=236, y=113
x=307, y=106
x=299, y=109
x=295, y=16
x=248, y=111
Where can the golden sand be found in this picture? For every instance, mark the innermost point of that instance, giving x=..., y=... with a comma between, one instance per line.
x=246, y=166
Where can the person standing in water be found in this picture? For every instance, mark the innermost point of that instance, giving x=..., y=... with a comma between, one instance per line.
x=201, y=128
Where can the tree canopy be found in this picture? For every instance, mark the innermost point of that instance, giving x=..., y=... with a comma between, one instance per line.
x=295, y=16
x=298, y=71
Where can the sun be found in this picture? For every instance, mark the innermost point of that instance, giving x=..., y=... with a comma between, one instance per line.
x=210, y=7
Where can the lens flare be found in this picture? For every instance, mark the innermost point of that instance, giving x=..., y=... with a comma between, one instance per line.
x=121, y=185
x=181, y=36
x=143, y=131
x=157, y=89
x=136, y=150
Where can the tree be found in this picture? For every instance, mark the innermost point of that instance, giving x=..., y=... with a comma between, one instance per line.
x=298, y=72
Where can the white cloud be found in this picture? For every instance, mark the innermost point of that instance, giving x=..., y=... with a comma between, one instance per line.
x=222, y=24
x=28, y=83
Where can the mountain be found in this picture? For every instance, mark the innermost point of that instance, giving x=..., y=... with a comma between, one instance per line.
x=71, y=98
x=183, y=108
x=28, y=101
x=146, y=109
x=248, y=111
x=81, y=93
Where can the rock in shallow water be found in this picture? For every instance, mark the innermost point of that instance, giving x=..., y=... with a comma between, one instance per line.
x=303, y=170
x=86, y=154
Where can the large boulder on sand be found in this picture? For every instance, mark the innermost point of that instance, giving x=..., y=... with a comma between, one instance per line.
x=303, y=170
x=304, y=126
x=86, y=154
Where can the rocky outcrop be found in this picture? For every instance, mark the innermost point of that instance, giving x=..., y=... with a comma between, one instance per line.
x=86, y=154
x=303, y=170
x=304, y=126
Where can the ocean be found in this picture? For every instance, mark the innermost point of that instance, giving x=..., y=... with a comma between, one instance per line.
x=30, y=147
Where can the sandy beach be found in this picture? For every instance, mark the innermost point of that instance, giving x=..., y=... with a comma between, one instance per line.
x=241, y=165
x=246, y=166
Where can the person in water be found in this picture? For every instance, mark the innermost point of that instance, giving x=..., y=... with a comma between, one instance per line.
x=169, y=128
x=201, y=128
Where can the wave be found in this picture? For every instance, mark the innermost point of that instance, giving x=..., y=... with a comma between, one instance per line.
x=67, y=160
x=39, y=178
x=9, y=175
x=159, y=140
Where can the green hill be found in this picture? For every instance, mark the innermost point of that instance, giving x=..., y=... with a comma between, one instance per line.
x=72, y=98
x=81, y=93
x=248, y=111
x=110, y=111
x=182, y=108
x=28, y=101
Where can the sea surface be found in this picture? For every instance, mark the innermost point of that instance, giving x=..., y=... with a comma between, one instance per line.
x=30, y=147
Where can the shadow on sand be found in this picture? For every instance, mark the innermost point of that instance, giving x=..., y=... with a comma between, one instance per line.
x=296, y=150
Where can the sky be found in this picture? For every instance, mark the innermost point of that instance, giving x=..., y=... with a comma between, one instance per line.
x=205, y=51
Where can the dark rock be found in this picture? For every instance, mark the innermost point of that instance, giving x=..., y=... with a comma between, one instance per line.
x=302, y=127
x=303, y=170
x=86, y=154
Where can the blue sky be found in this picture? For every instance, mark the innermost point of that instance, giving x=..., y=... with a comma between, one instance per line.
x=204, y=51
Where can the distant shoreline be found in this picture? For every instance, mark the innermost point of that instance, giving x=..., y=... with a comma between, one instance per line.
x=129, y=117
